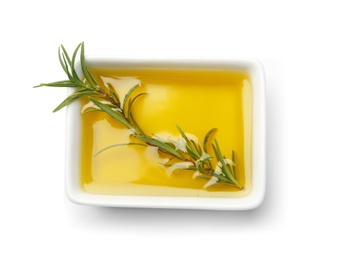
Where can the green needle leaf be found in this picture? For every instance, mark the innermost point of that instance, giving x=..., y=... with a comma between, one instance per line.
x=83, y=65
x=204, y=177
x=233, y=159
x=113, y=94
x=66, y=54
x=128, y=95
x=92, y=109
x=93, y=78
x=73, y=97
x=131, y=103
x=136, y=126
x=116, y=145
x=207, y=138
x=225, y=169
x=119, y=117
x=191, y=148
x=162, y=146
x=74, y=73
x=64, y=64
x=59, y=84
x=221, y=177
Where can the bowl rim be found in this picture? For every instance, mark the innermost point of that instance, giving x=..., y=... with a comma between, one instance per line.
x=251, y=201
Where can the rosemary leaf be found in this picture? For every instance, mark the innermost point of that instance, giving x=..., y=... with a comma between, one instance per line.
x=221, y=177
x=229, y=168
x=116, y=145
x=66, y=67
x=191, y=150
x=64, y=64
x=74, y=73
x=127, y=96
x=162, y=146
x=136, y=126
x=191, y=168
x=65, y=54
x=233, y=159
x=207, y=137
x=132, y=101
x=112, y=113
x=113, y=94
x=89, y=110
x=184, y=169
x=71, y=63
x=225, y=170
x=168, y=162
x=204, y=177
x=94, y=109
x=93, y=78
x=83, y=65
x=71, y=98
x=192, y=154
x=60, y=84
x=196, y=147
x=203, y=160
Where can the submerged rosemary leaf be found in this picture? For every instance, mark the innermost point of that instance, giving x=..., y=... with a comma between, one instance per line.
x=136, y=126
x=113, y=94
x=225, y=169
x=132, y=101
x=162, y=146
x=191, y=149
x=119, y=117
x=234, y=165
x=207, y=138
x=127, y=96
x=116, y=145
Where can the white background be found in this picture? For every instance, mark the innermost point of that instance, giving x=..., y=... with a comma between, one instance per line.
x=298, y=43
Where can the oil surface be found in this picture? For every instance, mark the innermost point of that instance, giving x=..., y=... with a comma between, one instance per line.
x=196, y=100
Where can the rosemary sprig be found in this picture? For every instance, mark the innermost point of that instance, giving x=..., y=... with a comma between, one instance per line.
x=184, y=154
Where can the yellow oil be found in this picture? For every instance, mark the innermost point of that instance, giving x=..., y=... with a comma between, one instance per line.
x=196, y=100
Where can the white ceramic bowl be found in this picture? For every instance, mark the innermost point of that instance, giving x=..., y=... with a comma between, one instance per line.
x=253, y=197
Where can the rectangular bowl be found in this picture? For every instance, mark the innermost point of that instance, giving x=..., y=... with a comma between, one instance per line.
x=250, y=200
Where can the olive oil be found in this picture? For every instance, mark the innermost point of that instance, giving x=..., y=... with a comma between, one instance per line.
x=196, y=100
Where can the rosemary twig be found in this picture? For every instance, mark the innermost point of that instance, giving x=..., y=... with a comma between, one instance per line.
x=185, y=151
